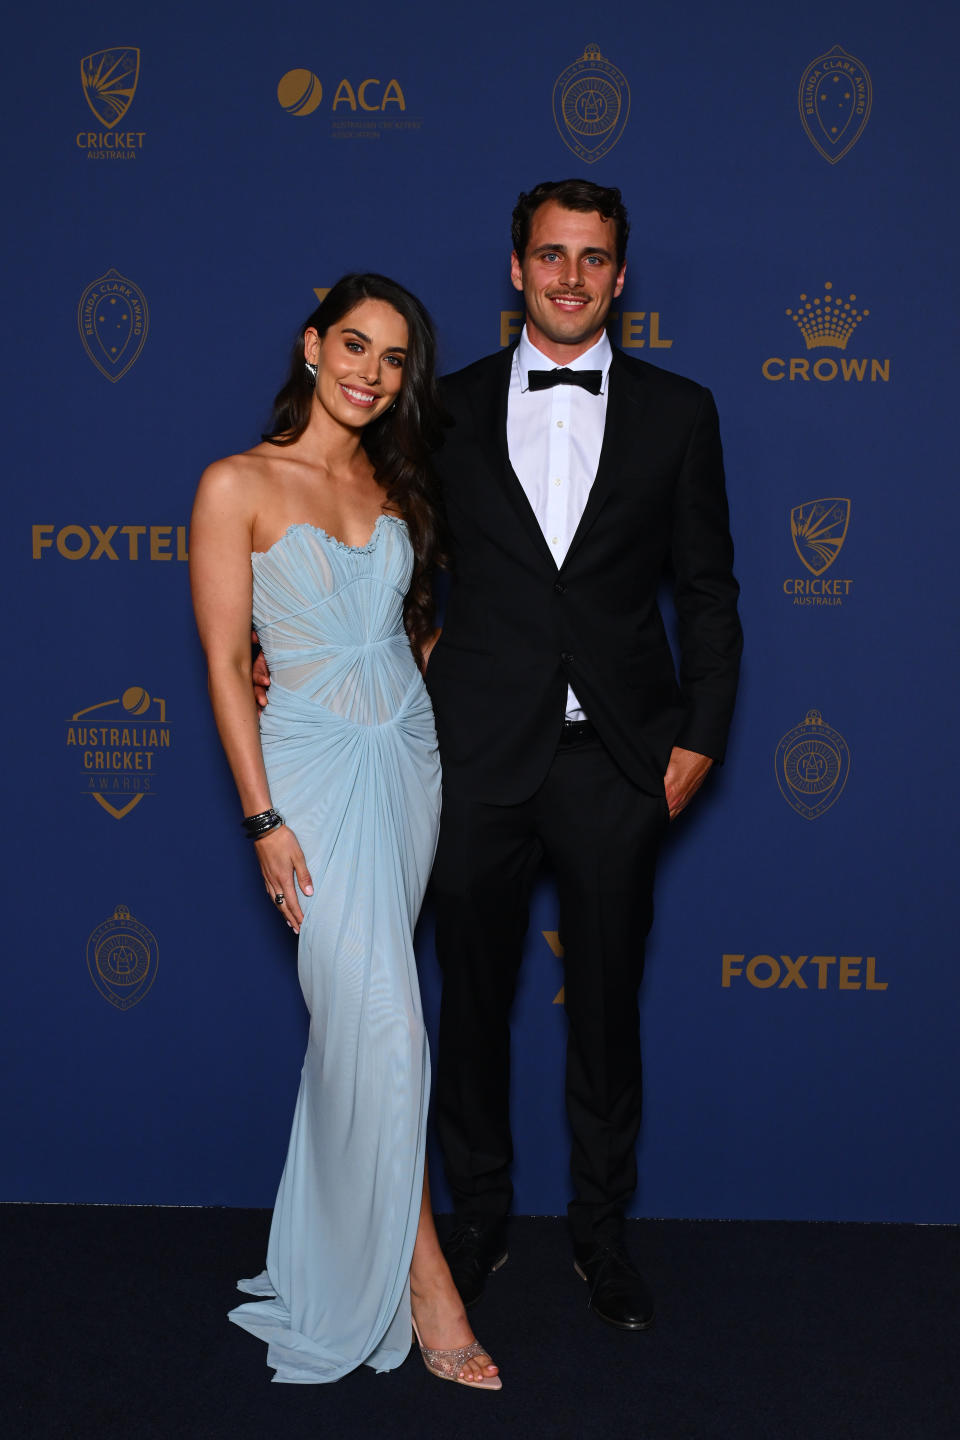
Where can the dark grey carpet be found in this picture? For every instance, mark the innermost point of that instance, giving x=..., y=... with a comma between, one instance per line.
x=115, y=1330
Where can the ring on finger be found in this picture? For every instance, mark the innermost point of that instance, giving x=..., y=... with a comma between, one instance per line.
x=278, y=899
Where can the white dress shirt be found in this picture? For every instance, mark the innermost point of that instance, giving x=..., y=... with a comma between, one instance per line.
x=554, y=438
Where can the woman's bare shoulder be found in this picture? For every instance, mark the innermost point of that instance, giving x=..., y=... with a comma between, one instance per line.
x=236, y=471
x=236, y=481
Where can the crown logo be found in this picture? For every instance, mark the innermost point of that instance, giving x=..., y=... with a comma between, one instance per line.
x=829, y=321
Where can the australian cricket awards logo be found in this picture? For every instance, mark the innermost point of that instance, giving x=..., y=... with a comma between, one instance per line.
x=818, y=529
x=113, y=320
x=591, y=105
x=116, y=747
x=812, y=765
x=827, y=322
x=122, y=957
x=835, y=99
x=109, y=81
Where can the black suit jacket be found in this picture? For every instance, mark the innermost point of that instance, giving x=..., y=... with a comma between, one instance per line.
x=518, y=629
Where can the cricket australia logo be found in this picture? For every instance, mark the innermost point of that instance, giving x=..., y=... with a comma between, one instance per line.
x=819, y=528
x=109, y=79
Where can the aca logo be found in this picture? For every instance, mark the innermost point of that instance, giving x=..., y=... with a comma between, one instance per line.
x=827, y=322
x=299, y=92
x=122, y=958
x=591, y=105
x=835, y=97
x=113, y=320
x=812, y=764
x=114, y=748
x=818, y=529
x=378, y=106
x=109, y=82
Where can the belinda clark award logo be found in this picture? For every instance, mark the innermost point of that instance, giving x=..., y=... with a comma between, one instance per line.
x=113, y=320
x=835, y=98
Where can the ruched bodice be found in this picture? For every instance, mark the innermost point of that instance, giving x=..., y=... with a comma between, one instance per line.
x=330, y=619
x=351, y=757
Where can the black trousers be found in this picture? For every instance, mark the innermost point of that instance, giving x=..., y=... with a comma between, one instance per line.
x=600, y=835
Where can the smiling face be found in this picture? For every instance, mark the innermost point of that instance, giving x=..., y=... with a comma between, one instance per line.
x=359, y=362
x=569, y=279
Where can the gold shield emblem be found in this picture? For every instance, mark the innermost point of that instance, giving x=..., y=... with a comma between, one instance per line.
x=812, y=765
x=113, y=320
x=122, y=958
x=591, y=105
x=109, y=79
x=836, y=95
x=819, y=528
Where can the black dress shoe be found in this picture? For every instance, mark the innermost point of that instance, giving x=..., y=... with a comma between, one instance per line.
x=617, y=1290
x=473, y=1252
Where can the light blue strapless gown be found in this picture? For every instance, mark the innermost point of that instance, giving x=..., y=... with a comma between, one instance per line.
x=351, y=756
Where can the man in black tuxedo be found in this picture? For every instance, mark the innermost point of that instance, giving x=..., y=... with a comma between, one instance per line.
x=566, y=733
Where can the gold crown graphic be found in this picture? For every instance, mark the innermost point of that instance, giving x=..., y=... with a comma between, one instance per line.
x=828, y=321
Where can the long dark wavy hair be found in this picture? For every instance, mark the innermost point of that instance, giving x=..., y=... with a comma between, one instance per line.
x=399, y=442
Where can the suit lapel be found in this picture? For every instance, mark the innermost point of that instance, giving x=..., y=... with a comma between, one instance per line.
x=624, y=408
x=492, y=426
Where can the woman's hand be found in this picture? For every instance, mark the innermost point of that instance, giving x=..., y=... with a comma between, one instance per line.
x=281, y=859
x=426, y=650
x=261, y=674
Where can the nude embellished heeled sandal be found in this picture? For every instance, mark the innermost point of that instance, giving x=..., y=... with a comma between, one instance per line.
x=447, y=1364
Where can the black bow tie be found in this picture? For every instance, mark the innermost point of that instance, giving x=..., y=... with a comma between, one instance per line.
x=587, y=379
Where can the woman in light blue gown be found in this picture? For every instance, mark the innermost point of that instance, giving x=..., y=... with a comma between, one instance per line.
x=326, y=534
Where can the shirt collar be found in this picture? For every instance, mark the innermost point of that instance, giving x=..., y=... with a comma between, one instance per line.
x=527, y=357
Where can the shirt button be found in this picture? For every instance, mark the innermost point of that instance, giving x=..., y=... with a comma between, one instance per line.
x=558, y=481
x=554, y=540
x=566, y=658
x=560, y=588
x=559, y=424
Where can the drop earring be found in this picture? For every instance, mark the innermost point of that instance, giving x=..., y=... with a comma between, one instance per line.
x=311, y=371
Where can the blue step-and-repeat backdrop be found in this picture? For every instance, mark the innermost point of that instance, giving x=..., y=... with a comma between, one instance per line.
x=183, y=181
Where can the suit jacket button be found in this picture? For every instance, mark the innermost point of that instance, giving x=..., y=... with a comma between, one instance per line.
x=560, y=588
x=566, y=658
